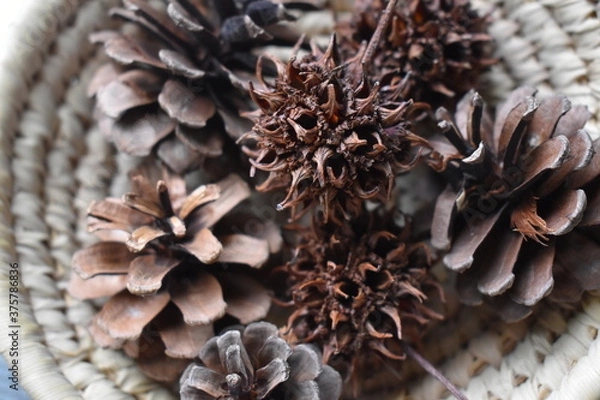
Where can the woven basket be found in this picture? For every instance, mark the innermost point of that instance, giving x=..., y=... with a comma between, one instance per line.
x=54, y=161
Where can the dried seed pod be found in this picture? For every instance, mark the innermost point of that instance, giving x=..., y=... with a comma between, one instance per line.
x=156, y=245
x=322, y=134
x=179, y=84
x=359, y=290
x=255, y=363
x=517, y=200
x=443, y=45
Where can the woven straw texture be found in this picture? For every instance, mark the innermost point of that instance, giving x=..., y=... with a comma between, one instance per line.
x=54, y=161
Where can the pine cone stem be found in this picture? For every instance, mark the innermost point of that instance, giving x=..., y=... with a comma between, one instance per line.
x=427, y=366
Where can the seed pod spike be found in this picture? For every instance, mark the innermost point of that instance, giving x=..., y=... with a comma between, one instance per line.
x=298, y=45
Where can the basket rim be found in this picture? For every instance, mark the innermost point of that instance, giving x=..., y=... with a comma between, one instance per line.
x=45, y=379
x=26, y=49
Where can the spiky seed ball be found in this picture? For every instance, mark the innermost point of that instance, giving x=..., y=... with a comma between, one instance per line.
x=359, y=290
x=443, y=45
x=323, y=135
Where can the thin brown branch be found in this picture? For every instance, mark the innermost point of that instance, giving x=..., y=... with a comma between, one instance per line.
x=427, y=366
x=378, y=34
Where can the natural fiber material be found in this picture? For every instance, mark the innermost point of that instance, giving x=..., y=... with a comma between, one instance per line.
x=548, y=44
x=54, y=162
x=47, y=181
x=552, y=358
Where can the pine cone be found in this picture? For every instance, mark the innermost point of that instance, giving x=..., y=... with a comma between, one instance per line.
x=517, y=198
x=441, y=44
x=323, y=135
x=157, y=244
x=255, y=363
x=173, y=87
x=358, y=290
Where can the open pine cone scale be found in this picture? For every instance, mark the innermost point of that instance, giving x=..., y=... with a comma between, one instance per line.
x=157, y=244
x=254, y=363
x=175, y=85
x=502, y=228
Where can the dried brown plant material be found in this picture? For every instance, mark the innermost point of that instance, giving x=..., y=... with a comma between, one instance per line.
x=521, y=198
x=178, y=83
x=254, y=363
x=323, y=135
x=443, y=45
x=358, y=291
x=162, y=267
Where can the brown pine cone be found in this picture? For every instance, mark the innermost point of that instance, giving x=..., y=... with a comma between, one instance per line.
x=323, y=135
x=514, y=216
x=358, y=291
x=255, y=363
x=178, y=83
x=443, y=45
x=163, y=268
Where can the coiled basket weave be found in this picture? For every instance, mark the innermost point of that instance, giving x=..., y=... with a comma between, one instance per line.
x=54, y=161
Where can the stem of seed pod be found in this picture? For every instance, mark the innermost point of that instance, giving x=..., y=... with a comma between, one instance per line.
x=386, y=15
x=427, y=366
